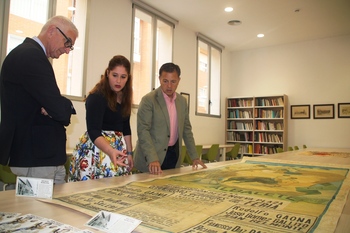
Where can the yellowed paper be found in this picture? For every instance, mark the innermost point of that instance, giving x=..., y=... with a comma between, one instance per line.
x=255, y=195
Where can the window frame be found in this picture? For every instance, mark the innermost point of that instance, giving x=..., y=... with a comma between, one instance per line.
x=156, y=16
x=210, y=44
x=51, y=11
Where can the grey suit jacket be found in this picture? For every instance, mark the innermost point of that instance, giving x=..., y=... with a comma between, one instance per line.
x=153, y=130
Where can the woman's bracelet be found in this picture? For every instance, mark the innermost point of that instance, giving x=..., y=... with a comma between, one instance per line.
x=129, y=153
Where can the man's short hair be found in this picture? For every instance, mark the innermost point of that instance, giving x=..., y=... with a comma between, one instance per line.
x=169, y=68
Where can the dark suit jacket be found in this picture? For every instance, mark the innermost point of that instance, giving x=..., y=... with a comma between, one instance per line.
x=153, y=130
x=27, y=83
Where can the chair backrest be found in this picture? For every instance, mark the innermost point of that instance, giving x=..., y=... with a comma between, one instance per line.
x=304, y=146
x=233, y=153
x=67, y=164
x=280, y=150
x=290, y=148
x=183, y=154
x=7, y=177
x=213, y=152
x=185, y=158
x=199, y=149
x=188, y=159
x=296, y=148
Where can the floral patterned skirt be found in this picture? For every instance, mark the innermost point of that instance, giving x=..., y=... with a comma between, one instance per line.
x=89, y=162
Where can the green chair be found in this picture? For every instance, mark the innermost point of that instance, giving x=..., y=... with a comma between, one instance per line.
x=290, y=148
x=304, y=146
x=134, y=170
x=212, y=153
x=185, y=158
x=199, y=149
x=67, y=166
x=233, y=153
x=296, y=148
x=6, y=176
x=280, y=150
x=183, y=155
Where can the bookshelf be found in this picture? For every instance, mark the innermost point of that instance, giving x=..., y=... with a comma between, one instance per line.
x=258, y=123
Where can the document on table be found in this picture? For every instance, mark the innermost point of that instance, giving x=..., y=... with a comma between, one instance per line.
x=112, y=222
x=34, y=187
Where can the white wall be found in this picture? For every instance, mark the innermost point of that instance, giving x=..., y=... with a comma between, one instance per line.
x=311, y=72
x=109, y=33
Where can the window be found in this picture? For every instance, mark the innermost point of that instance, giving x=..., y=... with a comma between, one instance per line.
x=152, y=47
x=26, y=18
x=208, y=76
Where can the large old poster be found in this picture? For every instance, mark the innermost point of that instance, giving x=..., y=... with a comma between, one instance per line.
x=254, y=195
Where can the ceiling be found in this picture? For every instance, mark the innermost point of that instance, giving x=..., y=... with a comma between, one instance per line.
x=281, y=21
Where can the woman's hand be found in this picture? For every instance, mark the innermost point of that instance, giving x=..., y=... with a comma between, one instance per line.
x=130, y=162
x=118, y=158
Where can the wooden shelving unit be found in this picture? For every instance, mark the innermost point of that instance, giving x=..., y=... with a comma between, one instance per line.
x=258, y=123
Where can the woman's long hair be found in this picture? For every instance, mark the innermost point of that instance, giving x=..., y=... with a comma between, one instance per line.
x=104, y=88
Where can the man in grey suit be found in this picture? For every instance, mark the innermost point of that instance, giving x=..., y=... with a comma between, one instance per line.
x=33, y=111
x=162, y=123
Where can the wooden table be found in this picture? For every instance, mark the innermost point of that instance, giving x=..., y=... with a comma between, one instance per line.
x=25, y=205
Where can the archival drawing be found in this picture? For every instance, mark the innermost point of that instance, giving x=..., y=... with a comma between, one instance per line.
x=250, y=196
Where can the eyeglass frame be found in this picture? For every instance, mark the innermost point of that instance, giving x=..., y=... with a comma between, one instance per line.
x=68, y=43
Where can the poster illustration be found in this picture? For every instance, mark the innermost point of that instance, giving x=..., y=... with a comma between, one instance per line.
x=254, y=195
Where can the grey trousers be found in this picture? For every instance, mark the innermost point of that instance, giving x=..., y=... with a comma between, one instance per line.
x=57, y=174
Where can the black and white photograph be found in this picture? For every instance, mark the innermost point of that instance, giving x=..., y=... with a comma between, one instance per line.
x=300, y=111
x=34, y=187
x=323, y=111
x=343, y=110
x=112, y=222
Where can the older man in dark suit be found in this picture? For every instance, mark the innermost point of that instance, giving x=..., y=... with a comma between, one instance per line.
x=33, y=111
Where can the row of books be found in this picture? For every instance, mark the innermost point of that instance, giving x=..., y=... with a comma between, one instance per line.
x=240, y=125
x=258, y=113
x=243, y=137
x=239, y=114
x=262, y=125
x=269, y=102
x=247, y=148
x=262, y=113
x=240, y=102
x=248, y=102
x=258, y=149
x=263, y=149
x=257, y=137
x=269, y=137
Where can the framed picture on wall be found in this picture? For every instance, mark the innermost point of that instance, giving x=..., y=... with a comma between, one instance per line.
x=300, y=111
x=323, y=111
x=187, y=97
x=343, y=110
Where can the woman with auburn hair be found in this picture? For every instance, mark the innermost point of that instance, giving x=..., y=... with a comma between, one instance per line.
x=105, y=149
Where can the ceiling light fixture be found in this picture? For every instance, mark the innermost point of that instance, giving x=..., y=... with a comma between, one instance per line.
x=228, y=9
x=260, y=35
x=234, y=22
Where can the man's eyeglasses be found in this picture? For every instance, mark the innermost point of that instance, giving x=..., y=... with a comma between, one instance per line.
x=68, y=43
